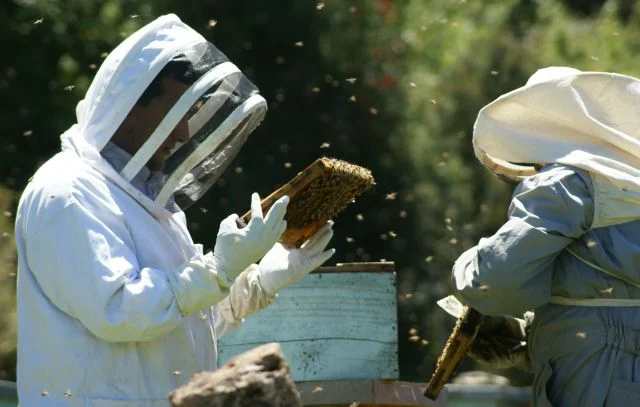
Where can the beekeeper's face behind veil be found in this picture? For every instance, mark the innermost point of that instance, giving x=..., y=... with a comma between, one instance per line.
x=150, y=109
x=175, y=103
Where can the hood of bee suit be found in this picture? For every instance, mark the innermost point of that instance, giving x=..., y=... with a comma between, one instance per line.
x=221, y=105
x=589, y=120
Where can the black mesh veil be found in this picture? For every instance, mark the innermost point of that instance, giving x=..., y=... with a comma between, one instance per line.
x=222, y=108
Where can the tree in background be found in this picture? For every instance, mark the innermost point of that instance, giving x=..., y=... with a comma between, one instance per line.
x=7, y=291
x=389, y=85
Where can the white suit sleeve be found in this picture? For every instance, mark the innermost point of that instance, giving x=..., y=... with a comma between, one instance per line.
x=87, y=267
x=246, y=297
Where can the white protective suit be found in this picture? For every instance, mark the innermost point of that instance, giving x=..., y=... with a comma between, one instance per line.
x=114, y=297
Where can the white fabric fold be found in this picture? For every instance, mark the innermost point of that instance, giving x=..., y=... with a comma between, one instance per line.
x=246, y=297
x=589, y=120
x=199, y=283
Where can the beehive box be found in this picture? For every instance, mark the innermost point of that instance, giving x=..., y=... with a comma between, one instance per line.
x=337, y=323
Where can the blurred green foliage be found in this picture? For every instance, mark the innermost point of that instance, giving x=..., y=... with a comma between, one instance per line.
x=7, y=291
x=391, y=85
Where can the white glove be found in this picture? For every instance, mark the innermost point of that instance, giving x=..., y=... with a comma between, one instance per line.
x=236, y=249
x=284, y=265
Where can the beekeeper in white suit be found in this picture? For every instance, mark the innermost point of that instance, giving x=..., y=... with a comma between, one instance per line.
x=116, y=304
x=570, y=248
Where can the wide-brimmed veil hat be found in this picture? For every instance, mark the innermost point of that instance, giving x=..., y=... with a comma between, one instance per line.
x=590, y=120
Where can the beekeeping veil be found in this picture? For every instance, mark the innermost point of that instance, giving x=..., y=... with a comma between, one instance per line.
x=589, y=120
x=222, y=107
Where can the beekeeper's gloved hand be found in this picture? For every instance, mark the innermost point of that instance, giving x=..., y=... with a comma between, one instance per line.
x=285, y=265
x=502, y=342
x=236, y=249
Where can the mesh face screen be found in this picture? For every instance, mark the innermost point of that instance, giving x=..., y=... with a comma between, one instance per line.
x=205, y=129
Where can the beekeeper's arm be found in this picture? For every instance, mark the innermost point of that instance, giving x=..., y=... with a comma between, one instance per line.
x=257, y=287
x=87, y=267
x=511, y=271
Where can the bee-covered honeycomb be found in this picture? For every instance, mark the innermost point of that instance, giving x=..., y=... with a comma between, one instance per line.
x=323, y=198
